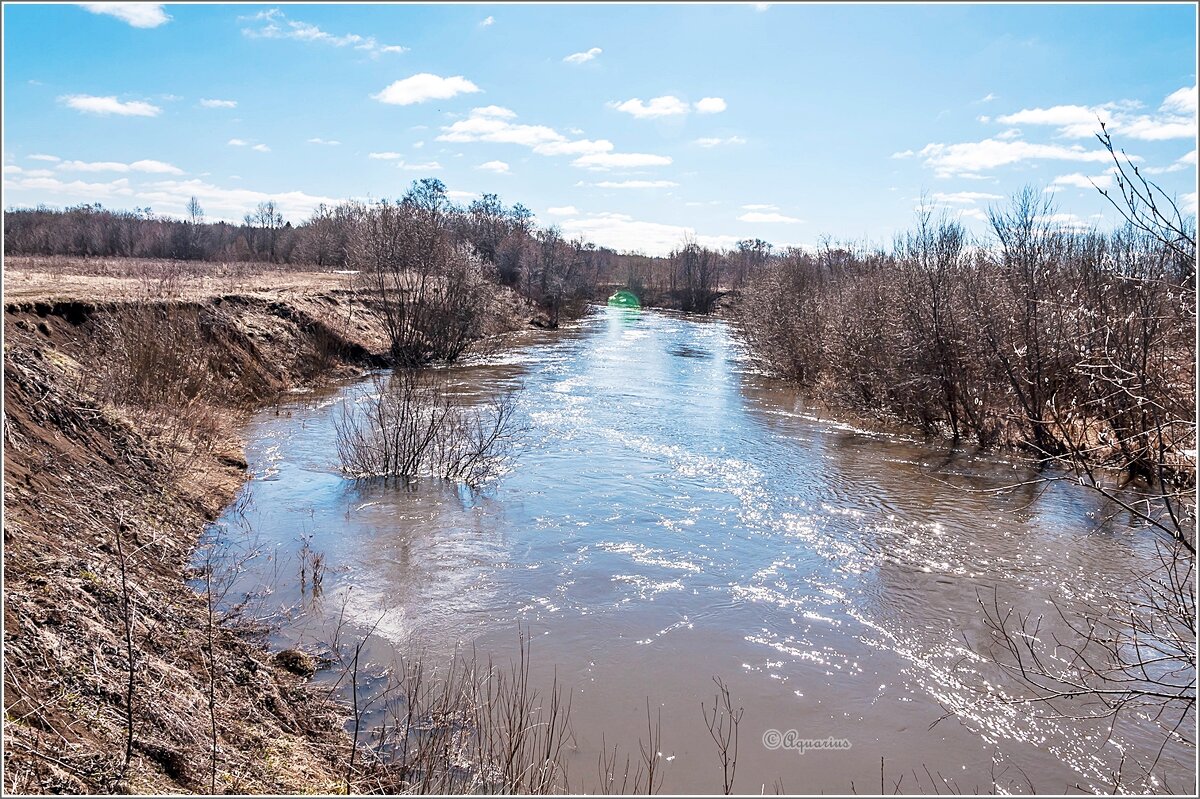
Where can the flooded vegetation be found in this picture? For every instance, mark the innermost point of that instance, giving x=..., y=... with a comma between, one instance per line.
x=673, y=515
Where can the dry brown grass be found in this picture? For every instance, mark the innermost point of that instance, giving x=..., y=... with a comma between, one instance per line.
x=124, y=279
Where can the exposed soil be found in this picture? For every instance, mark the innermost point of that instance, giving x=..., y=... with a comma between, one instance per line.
x=121, y=440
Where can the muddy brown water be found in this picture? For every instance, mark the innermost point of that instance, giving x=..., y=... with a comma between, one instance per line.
x=672, y=515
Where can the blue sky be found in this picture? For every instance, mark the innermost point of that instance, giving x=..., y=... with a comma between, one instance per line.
x=629, y=124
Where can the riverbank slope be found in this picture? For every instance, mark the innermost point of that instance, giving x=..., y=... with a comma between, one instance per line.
x=121, y=420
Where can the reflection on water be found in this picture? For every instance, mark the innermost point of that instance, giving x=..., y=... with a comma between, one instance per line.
x=672, y=516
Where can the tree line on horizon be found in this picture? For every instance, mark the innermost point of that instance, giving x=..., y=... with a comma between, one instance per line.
x=557, y=272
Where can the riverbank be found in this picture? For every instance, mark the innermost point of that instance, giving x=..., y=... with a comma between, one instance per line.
x=121, y=441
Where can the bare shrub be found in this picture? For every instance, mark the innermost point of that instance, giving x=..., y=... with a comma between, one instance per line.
x=431, y=293
x=1073, y=345
x=312, y=569
x=467, y=727
x=411, y=426
x=179, y=366
x=783, y=316
x=723, y=723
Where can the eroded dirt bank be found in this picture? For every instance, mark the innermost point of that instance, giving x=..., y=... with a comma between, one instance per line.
x=121, y=420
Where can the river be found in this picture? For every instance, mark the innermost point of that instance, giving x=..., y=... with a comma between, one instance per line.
x=672, y=515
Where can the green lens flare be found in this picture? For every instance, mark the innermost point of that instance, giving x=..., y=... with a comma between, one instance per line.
x=624, y=299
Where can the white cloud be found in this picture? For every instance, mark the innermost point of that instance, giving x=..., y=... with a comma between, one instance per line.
x=760, y=207
x=1157, y=129
x=487, y=22
x=664, y=106
x=497, y=111
x=624, y=233
x=717, y=142
x=327, y=142
x=968, y=159
x=987, y=98
x=44, y=157
x=276, y=25
x=1075, y=121
x=584, y=57
x=603, y=161
x=429, y=166
x=94, y=166
x=768, y=217
x=89, y=104
x=1176, y=118
x=1188, y=202
x=139, y=15
x=146, y=165
x=964, y=197
x=499, y=167
x=482, y=127
x=227, y=204
x=635, y=184
x=761, y=6
x=1059, y=116
x=1011, y=133
x=262, y=148
x=1080, y=181
x=219, y=103
x=51, y=190
x=424, y=86
x=576, y=147
x=496, y=124
x=165, y=196
x=160, y=167
x=387, y=156
x=493, y=124
x=13, y=169
x=1181, y=101
x=563, y=210
x=710, y=105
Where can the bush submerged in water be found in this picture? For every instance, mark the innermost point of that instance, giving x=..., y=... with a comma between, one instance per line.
x=412, y=426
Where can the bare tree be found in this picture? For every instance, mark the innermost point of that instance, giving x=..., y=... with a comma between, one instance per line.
x=695, y=277
x=195, y=212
